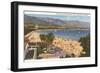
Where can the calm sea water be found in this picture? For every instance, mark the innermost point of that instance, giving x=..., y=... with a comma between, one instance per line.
x=74, y=34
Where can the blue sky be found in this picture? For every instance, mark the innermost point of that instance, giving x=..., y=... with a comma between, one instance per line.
x=84, y=18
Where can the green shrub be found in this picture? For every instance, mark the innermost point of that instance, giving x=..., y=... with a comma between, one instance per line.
x=85, y=43
x=48, y=38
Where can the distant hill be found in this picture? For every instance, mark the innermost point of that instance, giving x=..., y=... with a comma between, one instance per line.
x=31, y=20
x=77, y=24
x=46, y=21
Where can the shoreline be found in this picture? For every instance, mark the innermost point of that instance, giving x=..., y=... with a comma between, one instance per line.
x=63, y=28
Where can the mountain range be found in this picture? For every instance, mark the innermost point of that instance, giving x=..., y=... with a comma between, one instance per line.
x=54, y=22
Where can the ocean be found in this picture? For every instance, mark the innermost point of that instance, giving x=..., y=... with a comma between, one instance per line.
x=74, y=34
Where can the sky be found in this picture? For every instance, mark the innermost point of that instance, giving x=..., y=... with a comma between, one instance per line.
x=70, y=17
